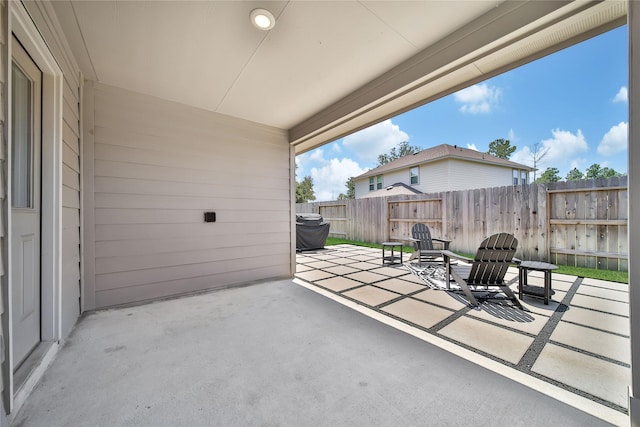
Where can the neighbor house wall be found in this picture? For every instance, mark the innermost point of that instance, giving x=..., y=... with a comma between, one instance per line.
x=157, y=167
x=362, y=187
x=446, y=175
x=393, y=177
x=434, y=177
x=464, y=175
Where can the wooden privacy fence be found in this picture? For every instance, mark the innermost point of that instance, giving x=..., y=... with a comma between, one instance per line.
x=353, y=219
x=581, y=223
x=588, y=226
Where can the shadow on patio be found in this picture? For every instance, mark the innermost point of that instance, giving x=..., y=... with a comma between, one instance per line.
x=575, y=349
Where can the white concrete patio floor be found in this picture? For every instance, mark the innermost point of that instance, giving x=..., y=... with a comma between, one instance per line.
x=391, y=353
x=576, y=349
x=272, y=354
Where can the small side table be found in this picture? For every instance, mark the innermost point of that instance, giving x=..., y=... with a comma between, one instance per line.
x=524, y=288
x=392, y=258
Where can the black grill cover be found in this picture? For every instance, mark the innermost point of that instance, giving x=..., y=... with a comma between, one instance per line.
x=311, y=231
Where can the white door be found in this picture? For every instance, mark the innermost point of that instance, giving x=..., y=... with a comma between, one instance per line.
x=26, y=87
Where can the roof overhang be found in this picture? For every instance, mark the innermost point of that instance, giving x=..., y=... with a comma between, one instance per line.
x=512, y=34
x=327, y=69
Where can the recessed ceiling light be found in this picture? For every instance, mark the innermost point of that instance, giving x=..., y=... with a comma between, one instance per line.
x=262, y=19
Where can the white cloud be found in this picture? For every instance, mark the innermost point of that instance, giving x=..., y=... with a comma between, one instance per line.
x=336, y=148
x=380, y=138
x=522, y=156
x=329, y=180
x=472, y=147
x=301, y=161
x=622, y=95
x=615, y=140
x=511, y=136
x=562, y=151
x=478, y=99
x=317, y=155
x=564, y=146
x=579, y=163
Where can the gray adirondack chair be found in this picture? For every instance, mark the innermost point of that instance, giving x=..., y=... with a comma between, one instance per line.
x=423, y=244
x=487, y=270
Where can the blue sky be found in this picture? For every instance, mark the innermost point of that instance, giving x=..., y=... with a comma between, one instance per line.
x=573, y=102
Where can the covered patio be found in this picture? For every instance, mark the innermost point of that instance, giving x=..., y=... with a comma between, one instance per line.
x=347, y=342
x=168, y=135
x=274, y=353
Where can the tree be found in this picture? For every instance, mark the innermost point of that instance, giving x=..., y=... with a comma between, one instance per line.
x=550, y=175
x=403, y=149
x=538, y=152
x=351, y=190
x=501, y=148
x=596, y=171
x=304, y=190
x=574, y=174
x=609, y=173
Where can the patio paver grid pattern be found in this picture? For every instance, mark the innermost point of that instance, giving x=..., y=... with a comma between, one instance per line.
x=579, y=342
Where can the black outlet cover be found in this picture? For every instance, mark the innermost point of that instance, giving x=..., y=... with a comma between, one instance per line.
x=209, y=217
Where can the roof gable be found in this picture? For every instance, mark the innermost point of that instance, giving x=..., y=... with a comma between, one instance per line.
x=399, y=188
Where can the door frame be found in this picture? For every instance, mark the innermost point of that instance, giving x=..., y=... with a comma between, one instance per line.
x=21, y=24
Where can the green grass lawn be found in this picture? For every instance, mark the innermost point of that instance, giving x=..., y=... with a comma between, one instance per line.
x=611, y=276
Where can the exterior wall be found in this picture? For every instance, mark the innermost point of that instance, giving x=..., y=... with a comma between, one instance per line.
x=434, y=177
x=70, y=292
x=157, y=167
x=362, y=187
x=60, y=229
x=446, y=175
x=396, y=176
x=634, y=207
x=5, y=369
x=467, y=175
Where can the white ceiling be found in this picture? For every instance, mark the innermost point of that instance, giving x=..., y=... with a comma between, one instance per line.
x=328, y=67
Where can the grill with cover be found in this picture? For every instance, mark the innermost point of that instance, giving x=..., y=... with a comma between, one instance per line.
x=311, y=231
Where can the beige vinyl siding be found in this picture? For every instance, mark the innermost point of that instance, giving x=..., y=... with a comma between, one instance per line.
x=70, y=203
x=465, y=175
x=434, y=177
x=446, y=175
x=70, y=297
x=453, y=174
x=362, y=187
x=396, y=176
x=158, y=166
x=4, y=356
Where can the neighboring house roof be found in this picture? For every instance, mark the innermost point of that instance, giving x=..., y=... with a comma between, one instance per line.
x=392, y=190
x=441, y=152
